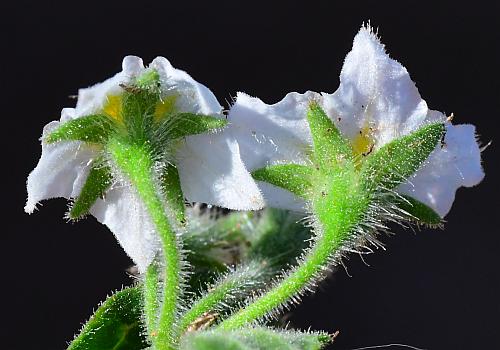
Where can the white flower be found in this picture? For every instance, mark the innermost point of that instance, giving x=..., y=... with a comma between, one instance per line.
x=375, y=103
x=210, y=168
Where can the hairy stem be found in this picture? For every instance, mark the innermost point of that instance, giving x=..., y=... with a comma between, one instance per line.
x=151, y=284
x=231, y=288
x=338, y=208
x=135, y=161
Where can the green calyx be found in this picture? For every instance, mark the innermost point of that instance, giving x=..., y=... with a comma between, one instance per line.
x=332, y=157
x=140, y=115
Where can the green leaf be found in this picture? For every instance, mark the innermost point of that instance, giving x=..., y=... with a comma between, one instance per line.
x=214, y=244
x=279, y=239
x=398, y=160
x=258, y=338
x=330, y=147
x=185, y=124
x=91, y=128
x=273, y=236
x=420, y=211
x=292, y=177
x=116, y=325
x=98, y=181
x=171, y=184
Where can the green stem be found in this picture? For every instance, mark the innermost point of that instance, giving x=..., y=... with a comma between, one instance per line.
x=337, y=212
x=150, y=291
x=135, y=161
x=230, y=289
x=205, y=304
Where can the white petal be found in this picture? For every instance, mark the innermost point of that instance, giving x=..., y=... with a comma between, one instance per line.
x=193, y=96
x=277, y=197
x=61, y=170
x=91, y=100
x=375, y=92
x=125, y=215
x=269, y=134
x=456, y=164
x=211, y=171
x=273, y=134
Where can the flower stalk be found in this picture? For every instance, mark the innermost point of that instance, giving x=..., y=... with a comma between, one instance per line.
x=337, y=214
x=136, y=163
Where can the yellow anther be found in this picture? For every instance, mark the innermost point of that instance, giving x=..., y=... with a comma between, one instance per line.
x=113, y=107
x=164, y=107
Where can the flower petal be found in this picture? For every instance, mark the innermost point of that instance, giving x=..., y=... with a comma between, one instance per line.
x=270, y=134
x=60, y=172
x=193, y=97
x=454, y=164
x=92, y=100
x=277, y=197
x=126, y=216
x=376, y=94
x=211, y=171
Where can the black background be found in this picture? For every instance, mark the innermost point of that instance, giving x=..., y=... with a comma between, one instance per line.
x=433, y=289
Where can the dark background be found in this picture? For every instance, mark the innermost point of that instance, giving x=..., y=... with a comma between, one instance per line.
x=433, y=289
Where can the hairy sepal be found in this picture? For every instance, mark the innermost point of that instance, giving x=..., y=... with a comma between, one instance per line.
x=419, y=212
x=396, y=161
x=180, y=125
x=171, y=186
x=98, y=181
x=295, y=178
x=330, y=148
x=91, y=128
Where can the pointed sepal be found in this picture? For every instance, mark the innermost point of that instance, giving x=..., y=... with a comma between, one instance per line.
x=98, y=181
x=419, y=212
x=329, y=146
x=171, y=185
x=116, y=325
x=295, y=178
x=92, y=128
x=184, y=124
x=396, y=161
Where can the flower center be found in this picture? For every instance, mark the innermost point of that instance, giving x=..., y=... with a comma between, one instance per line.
x=114, y=107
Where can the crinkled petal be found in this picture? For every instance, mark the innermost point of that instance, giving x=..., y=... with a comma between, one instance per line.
x=60, y=172
x=376, y=94
x=270, y=134
x=211, y=171
x=125, y=215
x=454, y=164
x=92, y=100
x=193, y=97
